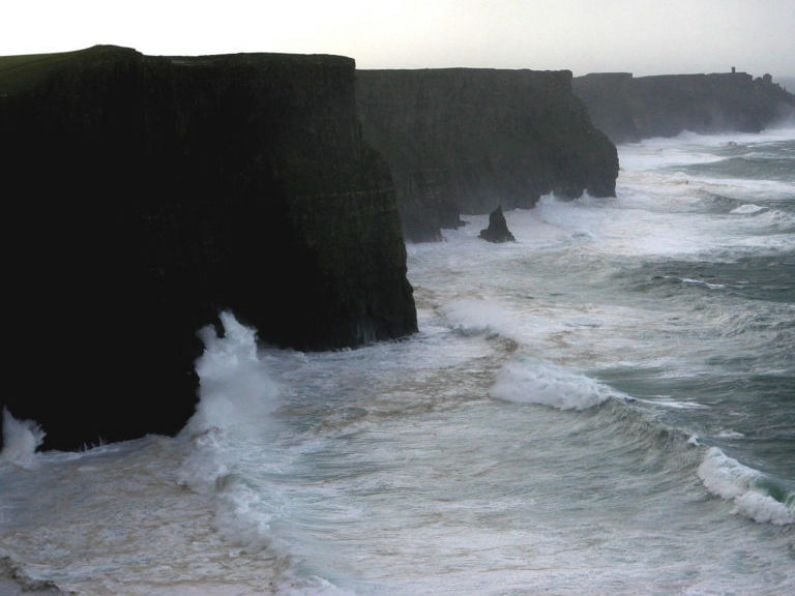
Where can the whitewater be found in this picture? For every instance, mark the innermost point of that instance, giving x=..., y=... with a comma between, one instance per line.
x=606, y=405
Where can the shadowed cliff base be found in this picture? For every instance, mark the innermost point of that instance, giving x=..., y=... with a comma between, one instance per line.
x=630, y=109
x=145, y=194
x=464, y=140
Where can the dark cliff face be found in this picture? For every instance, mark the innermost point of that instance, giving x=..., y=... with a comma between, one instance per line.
x=145, y=194
x=466, y=140
x=630, y=109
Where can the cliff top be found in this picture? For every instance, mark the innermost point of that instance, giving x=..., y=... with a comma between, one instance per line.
x=665, y=77
x=459, y=70
x=17, y=72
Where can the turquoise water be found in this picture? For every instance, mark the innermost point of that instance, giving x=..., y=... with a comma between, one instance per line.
x=607, y=405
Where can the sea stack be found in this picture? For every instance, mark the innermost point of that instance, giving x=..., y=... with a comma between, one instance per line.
x=498, y=228
x=463, y=140
x=143, y=195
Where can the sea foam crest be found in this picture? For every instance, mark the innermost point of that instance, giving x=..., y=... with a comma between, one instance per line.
x=237, y=398
x=537, y=382
x=731, y=480
x=747, y=209
x=235, y=390
x=235, y=457
x=22, y=438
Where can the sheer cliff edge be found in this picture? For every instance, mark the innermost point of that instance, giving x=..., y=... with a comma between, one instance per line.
x=465, y=140
x=143, y=195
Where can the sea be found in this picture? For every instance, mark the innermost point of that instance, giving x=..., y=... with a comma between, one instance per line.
x=605, y=406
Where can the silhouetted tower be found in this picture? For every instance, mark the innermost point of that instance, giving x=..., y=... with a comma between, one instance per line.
x=734, y=70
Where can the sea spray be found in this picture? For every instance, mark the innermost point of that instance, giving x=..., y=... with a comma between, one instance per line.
x=22, y=438
x=237, y=459
x=236, y=393
x=237, y=400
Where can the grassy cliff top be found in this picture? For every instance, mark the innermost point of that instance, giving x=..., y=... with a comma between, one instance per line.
x=19, y=72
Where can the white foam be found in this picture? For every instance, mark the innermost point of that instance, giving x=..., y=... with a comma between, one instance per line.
x=22, y=438
x=729, y=434
x=700, y=282
x=237, y=399
x=746, y=209
x=775, y=220
x=473, y=316
x=764, y=509
x=536, y=382
x=731, y=480
x=236, y=392
x=666, y=402
x=661, y=211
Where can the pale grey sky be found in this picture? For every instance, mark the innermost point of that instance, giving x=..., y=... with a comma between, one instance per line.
x=642, y=36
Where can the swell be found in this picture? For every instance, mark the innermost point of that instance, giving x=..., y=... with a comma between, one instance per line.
x=758, y=496
x=761, y=166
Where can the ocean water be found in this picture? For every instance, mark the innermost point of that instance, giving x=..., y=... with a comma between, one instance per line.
x=605, y=406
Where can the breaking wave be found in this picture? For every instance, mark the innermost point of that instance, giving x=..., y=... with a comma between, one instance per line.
x=22, y=438
x=536, y=382
x=730, y=480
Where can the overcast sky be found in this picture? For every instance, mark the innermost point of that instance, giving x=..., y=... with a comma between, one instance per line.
x=642, y=36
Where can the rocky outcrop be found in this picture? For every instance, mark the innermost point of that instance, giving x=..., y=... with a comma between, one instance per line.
x=144, y=194
x=629, y=109
x=465, y=140
x=497, y=230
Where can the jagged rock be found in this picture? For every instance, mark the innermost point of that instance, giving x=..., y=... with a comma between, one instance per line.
x=144, y=194
x=629, y=109
x=463, y=140
x=498, y=228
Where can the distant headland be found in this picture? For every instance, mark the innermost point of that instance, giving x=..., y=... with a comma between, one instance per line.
x=629, y=108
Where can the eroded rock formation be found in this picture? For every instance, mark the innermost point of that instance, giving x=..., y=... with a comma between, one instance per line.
x=497, y=230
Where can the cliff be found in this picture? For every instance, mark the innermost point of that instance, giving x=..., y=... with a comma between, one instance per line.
x=787, y=83
x=465, y=140
x=143, y=195
x=630, y=109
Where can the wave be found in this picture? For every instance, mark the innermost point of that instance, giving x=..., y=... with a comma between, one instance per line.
x=236, y=400
x=22, y=438
x=733, y=481
x=236, y=456
x=747, y=208
x=785, y=132
x=698, y=282
x=533, y=381
x=753, y=493
x=236, y=394
x=774, y=220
